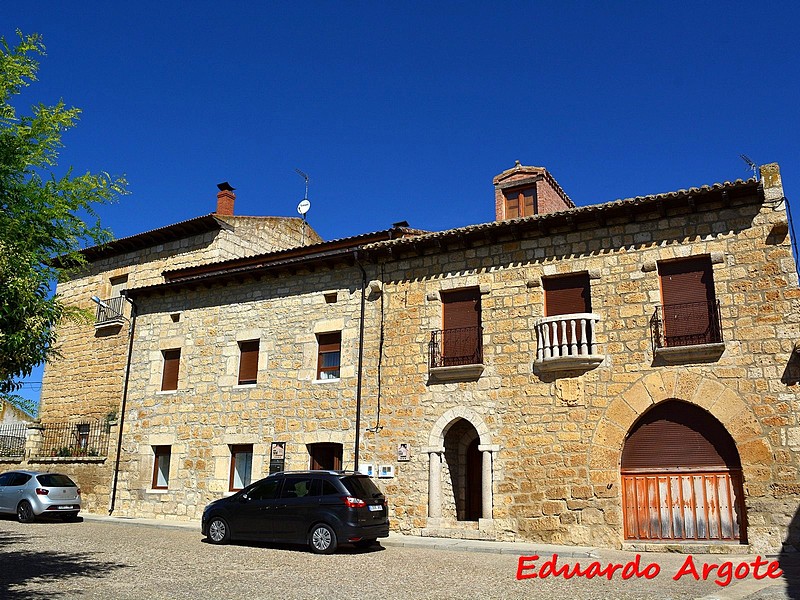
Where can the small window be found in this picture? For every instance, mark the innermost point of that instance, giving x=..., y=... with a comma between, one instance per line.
x=520, y=202
x=83, y=435
x=161, y=467
x=118, y=285
x=248, y=362
x=330, y=347
x=241, y=466
x=169, y=377
x=331, y=297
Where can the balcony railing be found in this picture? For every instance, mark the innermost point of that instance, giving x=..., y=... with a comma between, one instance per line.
x=75, y=439
x=456, y=347
x=690, y=324
x=110, y=312
x=567, y=341
x=12, y=439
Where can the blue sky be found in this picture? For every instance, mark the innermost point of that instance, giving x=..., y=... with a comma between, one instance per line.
x=405, y=111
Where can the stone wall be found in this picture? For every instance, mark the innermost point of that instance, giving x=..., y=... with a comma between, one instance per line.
x=557, y=473
x=209, y=412
x=86, y=380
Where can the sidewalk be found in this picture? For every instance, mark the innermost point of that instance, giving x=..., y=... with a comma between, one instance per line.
x=400, y=540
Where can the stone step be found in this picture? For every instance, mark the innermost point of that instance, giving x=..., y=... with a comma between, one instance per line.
x=465, y=533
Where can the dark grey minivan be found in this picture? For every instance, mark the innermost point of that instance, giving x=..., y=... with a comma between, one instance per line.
x=320, y=508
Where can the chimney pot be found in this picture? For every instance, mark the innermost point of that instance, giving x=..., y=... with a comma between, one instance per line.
x=225, y=199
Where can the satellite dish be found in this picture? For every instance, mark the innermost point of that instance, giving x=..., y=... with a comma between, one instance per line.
x=303, y=207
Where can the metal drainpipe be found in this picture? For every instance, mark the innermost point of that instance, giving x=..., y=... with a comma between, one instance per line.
x=360, y=357
x=124, y=402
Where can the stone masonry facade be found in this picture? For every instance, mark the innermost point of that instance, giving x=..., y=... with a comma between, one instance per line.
x=546, y=441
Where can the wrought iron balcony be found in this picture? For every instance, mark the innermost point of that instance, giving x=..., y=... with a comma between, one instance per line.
x=567, y=342
x=456, y=347
x=110, y=312
x=683, y=325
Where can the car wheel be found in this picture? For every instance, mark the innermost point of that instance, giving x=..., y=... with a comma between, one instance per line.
x=365, y=543
x=24, y=512
x=218, y=531
x=322, y=539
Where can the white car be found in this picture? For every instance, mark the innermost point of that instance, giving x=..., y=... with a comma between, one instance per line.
x=29, y=494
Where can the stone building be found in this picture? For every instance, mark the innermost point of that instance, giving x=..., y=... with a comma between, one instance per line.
x=620, y=373
x=81, y=391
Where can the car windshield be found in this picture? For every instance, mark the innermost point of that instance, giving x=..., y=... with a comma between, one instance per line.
x=361, y=486
x=55, y=480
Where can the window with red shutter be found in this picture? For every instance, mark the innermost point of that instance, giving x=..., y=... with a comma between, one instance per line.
x=461, y=320
x=567, y=295
x=688, y=302
x=248, y=362
x=169, y=375
x=520, y=202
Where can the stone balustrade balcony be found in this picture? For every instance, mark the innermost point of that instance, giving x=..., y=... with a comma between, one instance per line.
x=567, y=342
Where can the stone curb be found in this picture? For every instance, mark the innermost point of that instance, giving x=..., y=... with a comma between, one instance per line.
x=399, y=540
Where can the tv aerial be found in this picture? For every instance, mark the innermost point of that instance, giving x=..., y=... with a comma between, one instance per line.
x=750, y=164
x=304, y=206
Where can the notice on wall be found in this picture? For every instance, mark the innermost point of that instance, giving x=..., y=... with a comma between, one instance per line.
x=277, y=457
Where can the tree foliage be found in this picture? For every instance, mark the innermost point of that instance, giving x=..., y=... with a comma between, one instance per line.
x=43, y=215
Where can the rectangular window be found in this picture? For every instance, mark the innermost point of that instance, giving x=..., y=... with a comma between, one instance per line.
x=248, y=362
x=461, y=327
x=520, y=202
x=118, y=284
x=329, y=357
x=161, y=467
x=241, y=466
x=690, y=314
x=169, y=375
x=83, y=435
x=566, y=295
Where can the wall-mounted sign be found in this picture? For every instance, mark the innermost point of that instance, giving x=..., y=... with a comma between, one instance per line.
x=277, y=457
x=403, y=453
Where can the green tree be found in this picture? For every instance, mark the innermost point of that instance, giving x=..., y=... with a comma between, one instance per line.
x=43, y=215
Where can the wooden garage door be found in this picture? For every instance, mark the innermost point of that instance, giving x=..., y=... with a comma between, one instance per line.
x=681, y=477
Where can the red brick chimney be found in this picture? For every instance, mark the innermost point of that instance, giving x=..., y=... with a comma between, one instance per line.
x=526, y=191
x=225, y=199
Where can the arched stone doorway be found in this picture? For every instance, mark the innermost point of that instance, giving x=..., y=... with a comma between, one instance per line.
x=460, y=469
x=681, y=477
x=462, y=488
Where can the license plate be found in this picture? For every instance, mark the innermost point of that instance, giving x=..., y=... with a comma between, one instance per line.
x=375, y=507
x=67, y=507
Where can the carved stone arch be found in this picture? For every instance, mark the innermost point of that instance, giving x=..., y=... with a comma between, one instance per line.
x=722, y=402
x=447, y=420
x=464, y=423
x=704, y=392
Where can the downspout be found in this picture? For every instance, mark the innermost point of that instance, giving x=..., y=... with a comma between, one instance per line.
x=124, y=402
x=360, y=357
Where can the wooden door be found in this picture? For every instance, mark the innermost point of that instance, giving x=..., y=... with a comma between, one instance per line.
x=326, y=456
x=474, y=482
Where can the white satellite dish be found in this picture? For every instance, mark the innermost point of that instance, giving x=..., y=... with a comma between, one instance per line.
x=303, y=207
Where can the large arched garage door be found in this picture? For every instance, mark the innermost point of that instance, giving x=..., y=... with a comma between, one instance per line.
x=681, y=477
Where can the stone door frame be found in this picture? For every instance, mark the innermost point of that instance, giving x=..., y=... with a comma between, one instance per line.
x=436, y=455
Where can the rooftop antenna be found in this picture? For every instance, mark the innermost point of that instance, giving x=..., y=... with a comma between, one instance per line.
x=303, y=207
x=750, y=164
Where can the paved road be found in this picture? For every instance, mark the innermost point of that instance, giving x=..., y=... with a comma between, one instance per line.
x=118, y=559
